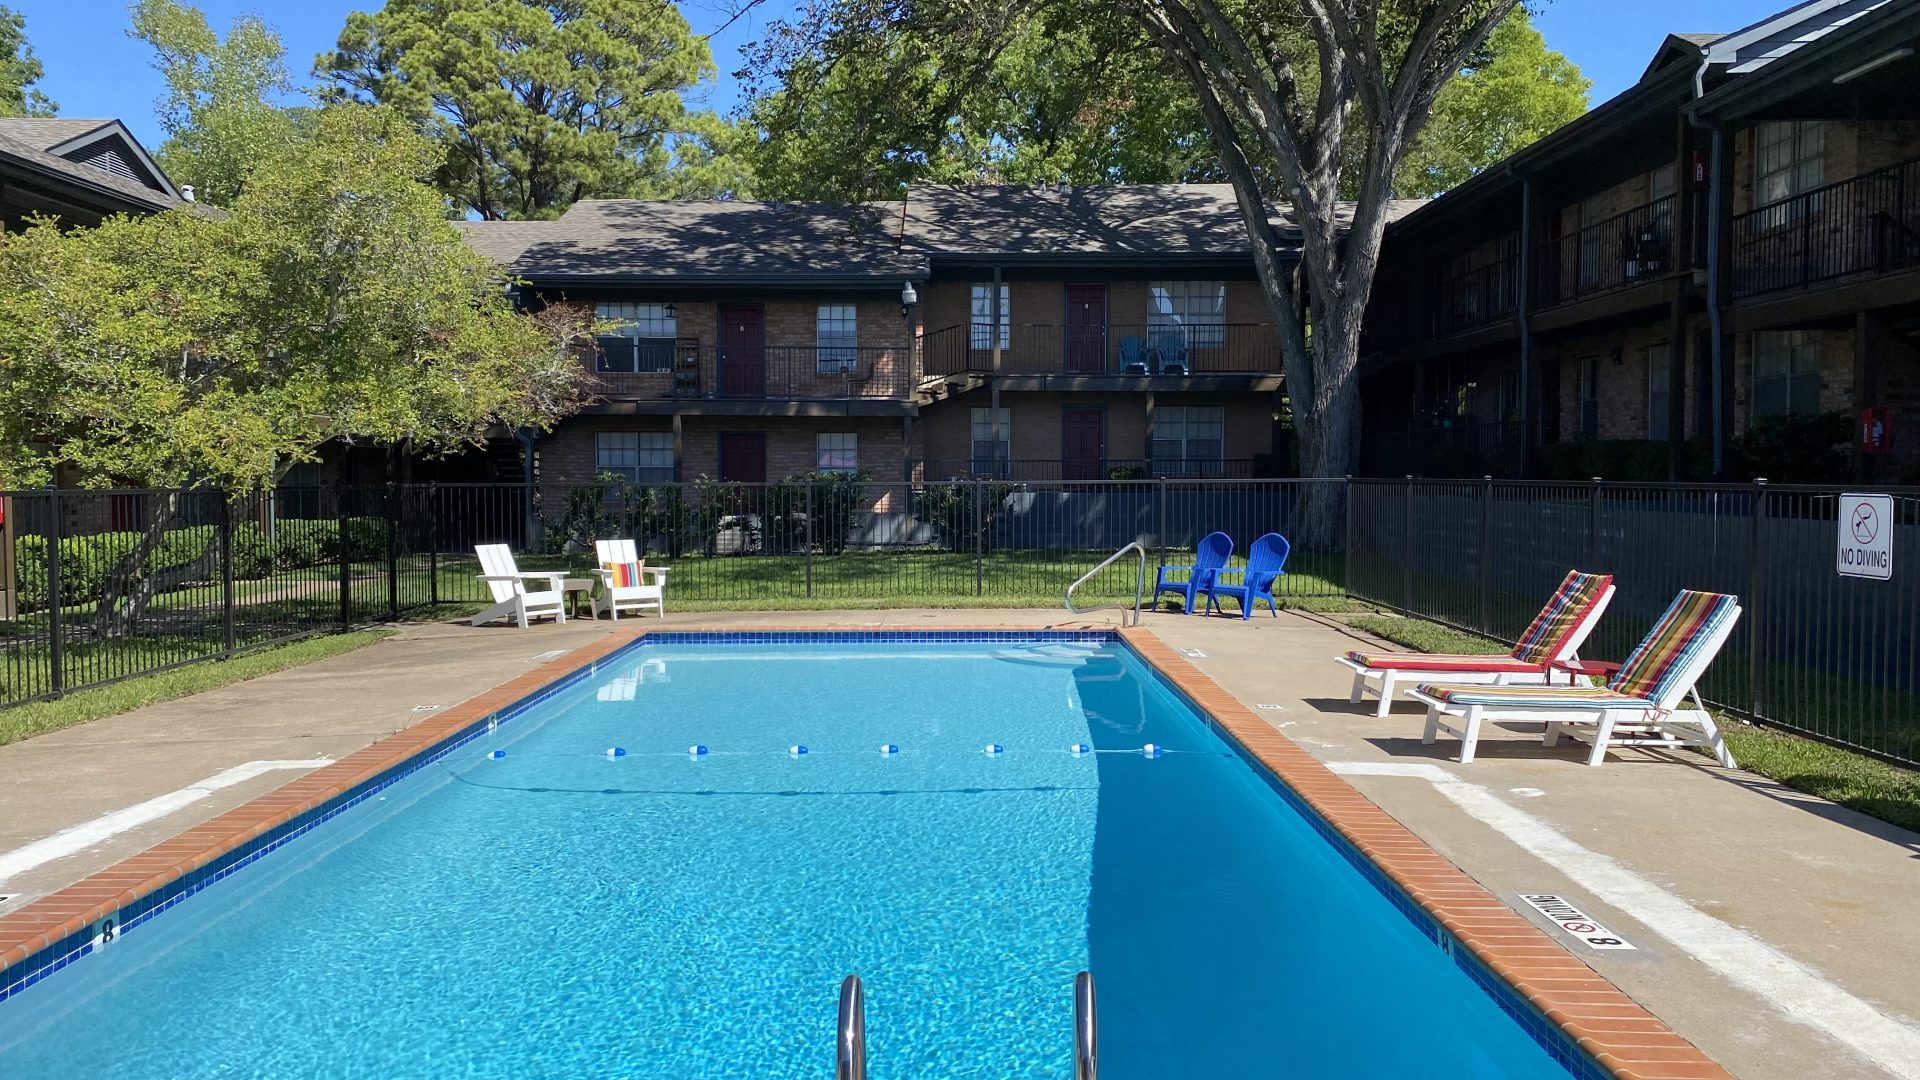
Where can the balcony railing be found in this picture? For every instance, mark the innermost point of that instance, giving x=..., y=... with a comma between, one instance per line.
x=1477, y=297
x=754, y=372
x=1153, y=349
x=1037, y=469
x=1625, y=249
x=1864, y=225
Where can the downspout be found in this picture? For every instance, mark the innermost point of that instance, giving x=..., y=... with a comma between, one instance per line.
x=1716, y=349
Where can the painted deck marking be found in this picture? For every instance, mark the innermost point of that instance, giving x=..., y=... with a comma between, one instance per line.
x=551, y=654
x=1583, y=927
x=1798, y=991
x=78, y=838
x=1271, y=705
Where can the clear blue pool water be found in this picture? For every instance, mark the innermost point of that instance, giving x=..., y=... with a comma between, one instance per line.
x=559, y=913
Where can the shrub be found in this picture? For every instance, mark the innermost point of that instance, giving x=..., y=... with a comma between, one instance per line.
x=1797, y=448
x=87, y=561
x=1608, y=459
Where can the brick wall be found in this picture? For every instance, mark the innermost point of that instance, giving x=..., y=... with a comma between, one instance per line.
x=1622, y=388
x=1836, y=375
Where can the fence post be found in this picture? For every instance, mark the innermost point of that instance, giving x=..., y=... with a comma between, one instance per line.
x=346, y=566
x=56, y=633
x=809, y=539
x=1346, y=561
x=1406, y=560
x=979, y=541
x=1486, y=555
x=433, y=546
x=226, y=573
x=1754, y=579
x=393, y=551
x=1593, y=528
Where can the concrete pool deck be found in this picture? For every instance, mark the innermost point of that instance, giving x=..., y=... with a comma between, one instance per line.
x=1777, y=932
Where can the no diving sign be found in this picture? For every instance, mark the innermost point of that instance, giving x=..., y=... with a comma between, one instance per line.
x=1866, y=537
x=1574, y=921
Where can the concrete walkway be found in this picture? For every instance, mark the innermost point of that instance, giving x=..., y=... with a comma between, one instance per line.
x=1779, y=933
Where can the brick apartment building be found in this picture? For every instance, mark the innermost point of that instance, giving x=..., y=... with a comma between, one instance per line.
x=1734, y=237
x=1027, y=333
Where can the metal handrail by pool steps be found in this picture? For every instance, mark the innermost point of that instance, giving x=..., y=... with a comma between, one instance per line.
x=850, y=1049
x=1086, y=1029
x=1139, y=584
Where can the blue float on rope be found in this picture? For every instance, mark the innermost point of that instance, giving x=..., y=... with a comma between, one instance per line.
x=1079, y=748
x=496, y=754
x=696, y=751
x=797, y=750
x=994, y=749
x=616, y=751
x=888, y=749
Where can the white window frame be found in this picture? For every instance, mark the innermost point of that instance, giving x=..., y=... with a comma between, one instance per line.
x=981, y=459
x=1193, y=436
x=1659, y=390
x=836, y=453
x=641, y=457
x=836, y=337
x=1786, y=363
x=1789, y=159
x=980, y=329
x=1195, y=310
x=650, y=328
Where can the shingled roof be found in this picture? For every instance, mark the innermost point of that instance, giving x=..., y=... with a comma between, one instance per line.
x=35, y=160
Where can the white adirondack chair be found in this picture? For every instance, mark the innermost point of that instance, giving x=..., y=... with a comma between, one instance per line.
x=512, y=594
x=634, y=598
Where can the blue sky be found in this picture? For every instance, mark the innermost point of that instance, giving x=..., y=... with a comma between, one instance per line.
x=94, y=69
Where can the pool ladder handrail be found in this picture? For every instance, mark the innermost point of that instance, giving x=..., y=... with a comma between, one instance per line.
x=1086, y=1029
x=1139, y=584
x=850, y=1048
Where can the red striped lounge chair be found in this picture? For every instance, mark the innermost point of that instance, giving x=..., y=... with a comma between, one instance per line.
x=1555, y=636
x=1647, y=700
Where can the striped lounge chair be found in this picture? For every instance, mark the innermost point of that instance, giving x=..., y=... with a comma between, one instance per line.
x=1646, y=700
x=1555, y=635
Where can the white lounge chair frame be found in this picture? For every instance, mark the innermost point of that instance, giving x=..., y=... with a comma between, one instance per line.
x=511, y=594
x=1668, y=723
x=1388, y=681
x=636, y=598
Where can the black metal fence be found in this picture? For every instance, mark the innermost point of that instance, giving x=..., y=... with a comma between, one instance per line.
x=1835, y=657
x=109, y=584
x=1867, y=223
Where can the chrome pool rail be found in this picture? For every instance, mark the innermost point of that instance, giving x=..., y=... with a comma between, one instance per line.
x=850, y=1047
x=1139, y=584
x=1086, y=1029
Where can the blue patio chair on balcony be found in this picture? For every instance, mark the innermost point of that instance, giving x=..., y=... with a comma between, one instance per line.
x=1266, y=564
x=1170, y=353
x=1215, y=549
x=1133, y=356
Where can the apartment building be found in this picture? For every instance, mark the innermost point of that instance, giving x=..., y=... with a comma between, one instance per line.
x=1735, y=237
x=1030, y=333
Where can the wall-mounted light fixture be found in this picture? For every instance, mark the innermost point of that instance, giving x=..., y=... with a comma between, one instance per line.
x=908, y=298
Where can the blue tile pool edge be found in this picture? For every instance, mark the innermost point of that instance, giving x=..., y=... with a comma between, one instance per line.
x=1542, y=1029
x=71, y=948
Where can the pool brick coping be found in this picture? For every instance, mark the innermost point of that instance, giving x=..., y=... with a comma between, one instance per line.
x=1617, y=1032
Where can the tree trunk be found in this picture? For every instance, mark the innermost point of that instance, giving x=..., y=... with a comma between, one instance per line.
x=1327, y=427
x=129, y=588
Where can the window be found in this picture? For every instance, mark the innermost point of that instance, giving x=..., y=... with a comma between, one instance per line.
x=1189, y=440
x=1591, y=241
x=836, y=337
x=643, y=340
x=1660, y=182
x=1789, y=158
x=1786, y=372
x=642, y=457
x=837, y=452
x=1194, y=311
x=1659, y=374
x=987, y=457
x=982, y=335
x=1590, y=397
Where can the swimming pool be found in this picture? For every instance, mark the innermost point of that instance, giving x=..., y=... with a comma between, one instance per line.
x=559, y=911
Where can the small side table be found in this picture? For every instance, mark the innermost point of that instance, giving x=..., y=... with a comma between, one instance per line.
x=575, y=588
x=1599, y=669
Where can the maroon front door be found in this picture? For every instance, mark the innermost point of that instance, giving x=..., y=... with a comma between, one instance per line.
x=743, y=457
x=743, y=351
x=1083, y=443
x=1086, y=329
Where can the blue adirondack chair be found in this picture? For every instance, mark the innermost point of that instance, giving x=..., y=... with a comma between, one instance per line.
x=1171, y=351
x=1266, y=564
x=1133, y=355
x=1215, y=548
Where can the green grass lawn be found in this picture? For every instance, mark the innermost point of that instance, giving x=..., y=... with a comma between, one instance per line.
x=40, y=717
x=1856, y=781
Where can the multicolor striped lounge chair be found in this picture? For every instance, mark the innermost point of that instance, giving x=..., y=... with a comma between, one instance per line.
x=1647, y=699
x=626, y=583
x=1556, y=635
